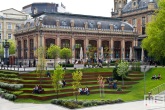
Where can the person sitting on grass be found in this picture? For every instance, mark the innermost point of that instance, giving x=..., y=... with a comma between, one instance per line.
x=64, y=83
x=35, y=89
x=80, y=90
x=87, y=91
x=48, y=74
x=159, y=76
x=40, y=89
x=154, y=77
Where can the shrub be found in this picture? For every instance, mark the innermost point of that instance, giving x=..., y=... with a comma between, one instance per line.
x=119, y=89
x=87, y=103
x=11, y=86
x=8, y=75
x=67, y=65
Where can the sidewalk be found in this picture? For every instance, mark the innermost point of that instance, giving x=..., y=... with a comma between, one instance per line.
x=138, y=105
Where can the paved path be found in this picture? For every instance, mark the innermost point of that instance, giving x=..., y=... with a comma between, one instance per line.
x=138, y=105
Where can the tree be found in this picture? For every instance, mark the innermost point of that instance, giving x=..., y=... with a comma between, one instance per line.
x=41, y=61
x=76, y=84
x=91, y=52
x=122, y=70
x=53, y=52
x=66, y=54
x=56, y=77
x=154, y=42
x=101, y=83
x=12, y=48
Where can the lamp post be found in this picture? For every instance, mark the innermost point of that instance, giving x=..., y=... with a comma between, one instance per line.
x=38, y=28
x=6, y=46
x=145, y=79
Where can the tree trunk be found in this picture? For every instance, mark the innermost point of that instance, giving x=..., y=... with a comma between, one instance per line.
x=57, y=90
x=122, y=80
x=54, y=64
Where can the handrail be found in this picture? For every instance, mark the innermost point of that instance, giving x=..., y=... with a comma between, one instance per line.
x=158, y=89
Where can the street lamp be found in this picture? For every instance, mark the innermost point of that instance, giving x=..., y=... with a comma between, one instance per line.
x=145, y=67
x=38, y=27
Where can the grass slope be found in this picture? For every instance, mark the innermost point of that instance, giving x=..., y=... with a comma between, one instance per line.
x=137, y=90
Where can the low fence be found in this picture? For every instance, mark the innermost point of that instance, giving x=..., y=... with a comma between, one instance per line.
x=158, y=89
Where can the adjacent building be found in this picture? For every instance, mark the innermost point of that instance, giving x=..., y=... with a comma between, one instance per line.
x=138, y=13
x=9, y=18
x=34, y=8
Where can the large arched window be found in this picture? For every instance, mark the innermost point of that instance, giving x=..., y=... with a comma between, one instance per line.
x=128, y=44
x=117, y=49
x=19, y=49
x=78, y=45
x=31, y=48
x=25, y=49
x=49, y=41
x=65, y=43
x=105, y=45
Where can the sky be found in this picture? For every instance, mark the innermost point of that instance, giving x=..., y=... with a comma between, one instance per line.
x=86, y=7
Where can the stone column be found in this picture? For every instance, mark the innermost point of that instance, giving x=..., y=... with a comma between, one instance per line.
x=86, y=42
x=28, y=47
x=58, y=41
x=98, y=47
x=22, y=48
x=123, y=49
x=112, y=49
x=73, y=48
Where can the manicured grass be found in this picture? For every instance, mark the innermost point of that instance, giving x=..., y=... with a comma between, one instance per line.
x=86, y=70
x=137, y=90
x=32, y=101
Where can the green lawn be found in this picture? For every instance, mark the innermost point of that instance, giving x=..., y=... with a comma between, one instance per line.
x=137, y=90
x=86, y=70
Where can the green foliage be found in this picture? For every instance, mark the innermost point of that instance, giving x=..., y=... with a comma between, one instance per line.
x=53, y=51
x=65, y=53
x=41, y=61
x=72, y=104
x=154, y=42
x=115, y=74
x=67, y=65
x=11, y=86
x=91, y=51
x=122, y=69
x=77, y=77
x=56, y=77
x=12, y=47
x=136, y=66
x=8, y=75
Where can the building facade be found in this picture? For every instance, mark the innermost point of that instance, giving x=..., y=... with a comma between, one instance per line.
x=75, y=31
x=9, y=18
x=138, y=13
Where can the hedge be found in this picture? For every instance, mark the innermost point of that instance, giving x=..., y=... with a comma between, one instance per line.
x=72, y=104
x=11, y=86
x=7, y=96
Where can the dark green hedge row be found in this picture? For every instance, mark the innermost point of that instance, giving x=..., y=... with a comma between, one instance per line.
x=72, y=104
x=7, y=96
x=10, y=86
